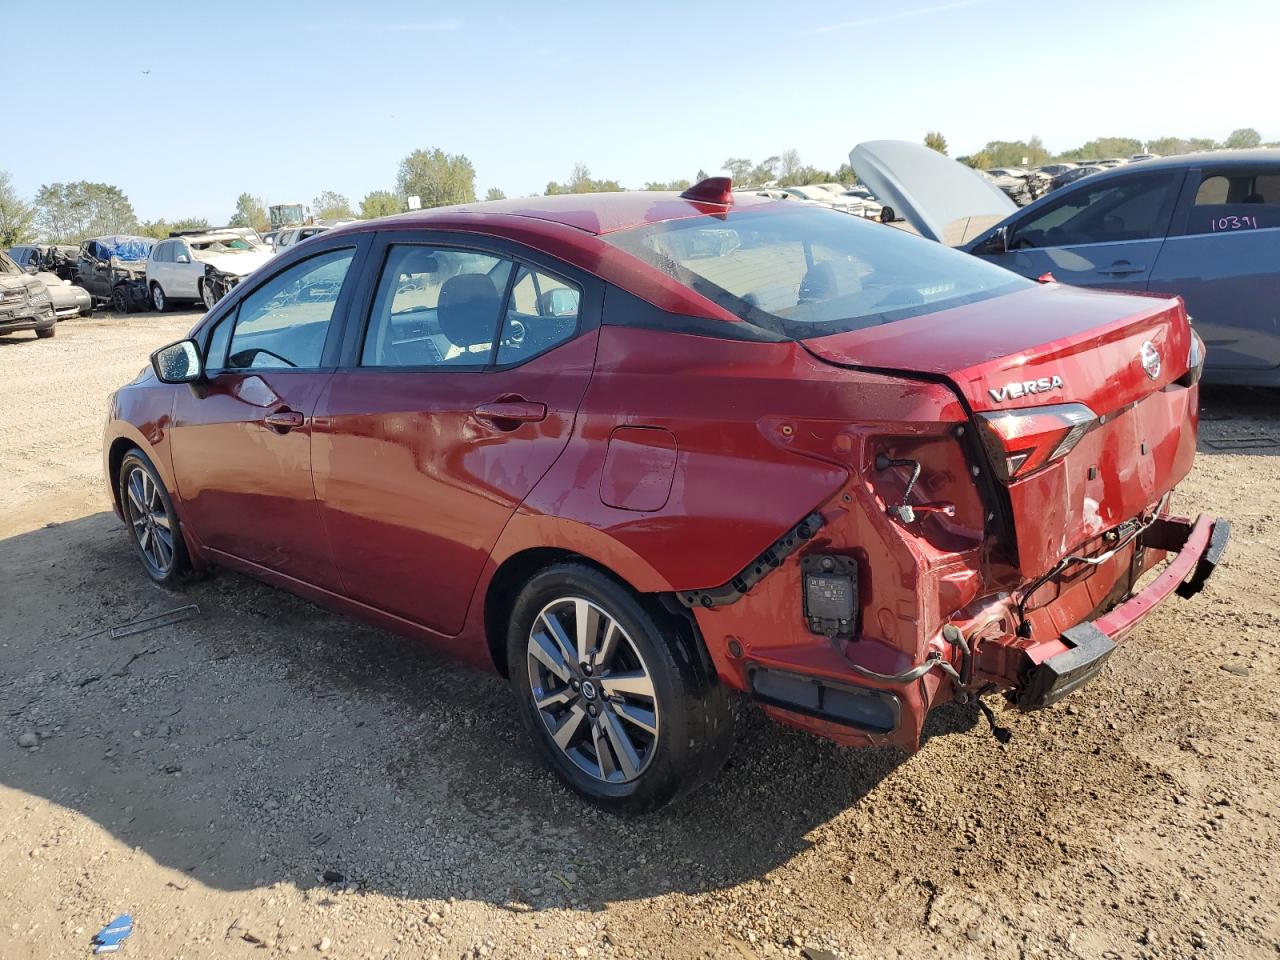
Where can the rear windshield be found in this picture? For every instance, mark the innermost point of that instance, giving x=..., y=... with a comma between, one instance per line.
x=812, y=271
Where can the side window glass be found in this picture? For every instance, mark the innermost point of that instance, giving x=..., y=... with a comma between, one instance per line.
x=1134, y=208
x=435, y=307
x=1230, y=202
x=283, y=323
x=542, y=313
x=215, y=357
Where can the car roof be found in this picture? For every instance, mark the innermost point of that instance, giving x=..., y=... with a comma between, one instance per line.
x=593, y=213
x=1186, y=161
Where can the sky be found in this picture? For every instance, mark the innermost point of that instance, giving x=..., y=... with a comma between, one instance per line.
x=186, y=105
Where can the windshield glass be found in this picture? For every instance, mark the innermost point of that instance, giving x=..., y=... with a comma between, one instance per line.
x=7, y=266
x=808, y=271
x=222, y=244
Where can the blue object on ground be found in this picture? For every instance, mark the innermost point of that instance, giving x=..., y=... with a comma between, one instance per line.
x=110, y=937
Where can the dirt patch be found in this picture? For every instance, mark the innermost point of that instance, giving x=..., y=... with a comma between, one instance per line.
x=209, y=775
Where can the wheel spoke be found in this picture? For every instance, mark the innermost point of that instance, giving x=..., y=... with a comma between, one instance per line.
x=608, y=645
x=547, y=701
x=144, y=538
x=545, y=650
x=586, y=618
x=604, y=756
x=568, y=727
x=134, y=486
x=623, y=748
x=164, y=541
x=646, y=720
x=628, y=684
x=561, y=639
x=161, y=519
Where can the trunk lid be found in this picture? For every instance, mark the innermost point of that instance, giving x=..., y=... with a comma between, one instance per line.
x=1049, y=351
x=941, y=198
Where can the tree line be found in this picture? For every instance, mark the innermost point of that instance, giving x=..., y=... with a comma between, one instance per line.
x=70, y=212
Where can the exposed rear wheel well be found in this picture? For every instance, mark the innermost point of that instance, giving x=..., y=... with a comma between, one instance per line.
x=519, y=568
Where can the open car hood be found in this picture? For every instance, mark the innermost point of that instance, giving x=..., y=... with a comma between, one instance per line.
x=239, y=263
x=942, y=198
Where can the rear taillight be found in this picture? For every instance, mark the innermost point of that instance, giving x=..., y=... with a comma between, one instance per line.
x=1020, y=442
x=1195, y=362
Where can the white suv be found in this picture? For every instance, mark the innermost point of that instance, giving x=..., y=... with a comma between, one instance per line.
x=202, y=267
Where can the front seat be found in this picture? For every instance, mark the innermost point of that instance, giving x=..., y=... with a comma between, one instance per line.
x=467, y=310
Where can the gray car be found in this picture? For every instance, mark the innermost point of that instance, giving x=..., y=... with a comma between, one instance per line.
x=24, y=301
x=1203, y=226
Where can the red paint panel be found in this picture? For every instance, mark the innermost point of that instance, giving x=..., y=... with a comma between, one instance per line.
x=638, y=468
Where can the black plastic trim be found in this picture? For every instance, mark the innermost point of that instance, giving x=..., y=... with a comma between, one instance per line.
x=1069, y=670
x=820, y=698
x=1209, y=561
x=757, y=569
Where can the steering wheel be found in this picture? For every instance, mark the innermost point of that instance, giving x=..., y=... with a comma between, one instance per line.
x=245, y=358
x=516, y=333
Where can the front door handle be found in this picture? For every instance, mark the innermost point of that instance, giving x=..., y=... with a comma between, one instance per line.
x=1122, y=267
x=502, y=412
x=282, y=421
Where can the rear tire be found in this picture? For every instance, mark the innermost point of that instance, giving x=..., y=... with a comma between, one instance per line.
x=120, y=300
x=158, y=300
x=620, y=708
x=152, y=521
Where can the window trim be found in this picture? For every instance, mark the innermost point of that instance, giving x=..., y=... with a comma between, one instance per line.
x=590, y=301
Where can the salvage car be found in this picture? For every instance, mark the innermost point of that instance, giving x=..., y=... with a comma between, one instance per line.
x=291, y=235
x=639, y=451
x=24, y=302
x=68, y=300
x=114, y=271
x=200, y=267
x=56, y=258
x=1204, y=227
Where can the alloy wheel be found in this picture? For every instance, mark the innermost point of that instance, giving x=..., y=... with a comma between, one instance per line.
x=149, y=521
x=592, y=690
x=157, y=298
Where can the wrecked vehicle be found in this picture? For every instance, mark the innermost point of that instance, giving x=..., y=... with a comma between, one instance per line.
x=639, y=451
x=1204, y=227
x=68, y=300
x=202, y=267
x=114, y=271
x=56, y=258
x=24, y=301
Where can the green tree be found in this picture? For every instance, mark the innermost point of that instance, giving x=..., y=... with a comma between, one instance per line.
x=676, y=185
x=437, y=178
x=1243, y=139
x=765, y=171
x=789, y=164
x=1014, y=153
x=380, y=203
x=329, y=205
x=739, y=169
x=159, y=229
x=17, y=217
x=1201, y=144
x=250, y=212
x=936, y=141
x=702, y=175
x=582, y=182
x=191, y=223
x=846, y=174
x=493, y=193
x=70, y=212
x=979, y=161
x=1102, y=149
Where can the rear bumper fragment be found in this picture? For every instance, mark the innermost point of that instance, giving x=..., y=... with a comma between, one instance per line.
x=1057, y=667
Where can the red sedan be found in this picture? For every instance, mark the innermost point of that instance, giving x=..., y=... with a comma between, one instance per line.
x=639, y=452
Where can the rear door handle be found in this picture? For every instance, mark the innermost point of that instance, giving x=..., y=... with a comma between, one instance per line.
x=283, y=421
x=1122, y=267
x=511, y=411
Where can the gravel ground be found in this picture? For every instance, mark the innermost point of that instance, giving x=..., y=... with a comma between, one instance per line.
x=272, y=777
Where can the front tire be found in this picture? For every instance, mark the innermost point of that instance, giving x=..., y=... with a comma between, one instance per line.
x=206, y=295
x=619, y=706
x=152, y=521
x=46, y=333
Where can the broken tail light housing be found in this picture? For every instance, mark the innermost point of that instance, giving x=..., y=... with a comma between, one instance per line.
x=1020, y=442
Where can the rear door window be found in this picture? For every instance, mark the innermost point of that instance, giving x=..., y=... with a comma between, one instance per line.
x=1230, y=201
x=436, y=307
x=541, y=314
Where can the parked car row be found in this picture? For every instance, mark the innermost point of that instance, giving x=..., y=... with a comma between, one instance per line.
x=1205, y=227
x=856, y=200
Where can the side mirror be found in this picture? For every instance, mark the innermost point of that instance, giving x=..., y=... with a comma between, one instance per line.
x=998, y=242
x=182, y=258
x=178, y=363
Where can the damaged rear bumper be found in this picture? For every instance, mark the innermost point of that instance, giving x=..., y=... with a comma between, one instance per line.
x=1054, y=668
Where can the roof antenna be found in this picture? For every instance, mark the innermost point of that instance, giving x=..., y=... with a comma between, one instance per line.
x=711, y=190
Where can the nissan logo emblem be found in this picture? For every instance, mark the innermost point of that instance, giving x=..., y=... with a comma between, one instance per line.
x=1150, y=358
